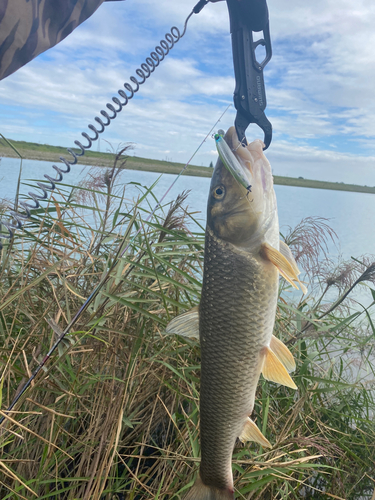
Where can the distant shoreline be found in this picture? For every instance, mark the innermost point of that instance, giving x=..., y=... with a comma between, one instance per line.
x=43, y=152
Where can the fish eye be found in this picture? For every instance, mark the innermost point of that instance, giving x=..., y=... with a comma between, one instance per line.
x=219, y=192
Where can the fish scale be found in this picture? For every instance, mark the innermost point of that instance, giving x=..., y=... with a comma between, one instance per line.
x=235, y=319
x=237, y=312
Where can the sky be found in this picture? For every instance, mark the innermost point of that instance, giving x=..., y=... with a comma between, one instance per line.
x=319, y=85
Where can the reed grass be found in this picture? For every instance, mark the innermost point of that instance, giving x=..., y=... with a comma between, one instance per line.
x=114, y=415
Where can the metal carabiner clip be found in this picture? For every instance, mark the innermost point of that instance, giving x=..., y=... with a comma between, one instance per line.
x=246, y=17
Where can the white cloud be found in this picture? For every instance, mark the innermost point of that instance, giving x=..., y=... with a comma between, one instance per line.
x=319, y=85
x=313, y=163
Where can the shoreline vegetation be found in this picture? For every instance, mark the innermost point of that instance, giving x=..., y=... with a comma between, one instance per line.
x=44, y=152
x=114, y=412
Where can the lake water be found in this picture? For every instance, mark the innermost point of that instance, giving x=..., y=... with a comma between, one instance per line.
x=351, y=215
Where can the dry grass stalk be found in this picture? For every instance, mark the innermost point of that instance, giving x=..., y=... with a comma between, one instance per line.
x=116, y=414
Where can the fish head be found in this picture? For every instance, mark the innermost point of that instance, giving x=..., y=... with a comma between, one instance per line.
x=243, y=217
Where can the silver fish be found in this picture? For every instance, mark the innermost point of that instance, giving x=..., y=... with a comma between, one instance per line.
x=235, y=318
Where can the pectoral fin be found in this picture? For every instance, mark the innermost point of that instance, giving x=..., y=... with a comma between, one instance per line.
x=286, y=251
x=283, y=353
x=287, y=269
x=274, y=370
x=251, y=432
x=186, y=324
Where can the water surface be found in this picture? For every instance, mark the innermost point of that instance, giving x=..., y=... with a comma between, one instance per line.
x=351, y=215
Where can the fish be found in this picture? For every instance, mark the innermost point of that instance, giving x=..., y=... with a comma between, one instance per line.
x=234, y=321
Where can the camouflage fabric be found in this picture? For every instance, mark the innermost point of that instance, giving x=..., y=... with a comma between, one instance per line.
x=29, y=27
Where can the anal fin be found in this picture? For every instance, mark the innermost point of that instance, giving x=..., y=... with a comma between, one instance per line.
x=251, y=432
x=274, y=371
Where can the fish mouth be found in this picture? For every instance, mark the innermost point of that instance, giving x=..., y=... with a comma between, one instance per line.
x=247, y=164
x=251, y=169
x=255, y=166
x=249, y=210
x=251, y=157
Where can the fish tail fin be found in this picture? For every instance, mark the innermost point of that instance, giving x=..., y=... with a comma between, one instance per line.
x=200, y=491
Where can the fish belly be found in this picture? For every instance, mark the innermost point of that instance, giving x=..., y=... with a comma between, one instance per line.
x=237, y=314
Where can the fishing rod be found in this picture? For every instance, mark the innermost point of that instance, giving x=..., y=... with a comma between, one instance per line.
x=18, y=218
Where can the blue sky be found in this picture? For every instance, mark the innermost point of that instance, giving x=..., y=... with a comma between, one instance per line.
x=319, y=83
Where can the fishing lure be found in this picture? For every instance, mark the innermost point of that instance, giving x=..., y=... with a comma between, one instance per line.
x=230, y=161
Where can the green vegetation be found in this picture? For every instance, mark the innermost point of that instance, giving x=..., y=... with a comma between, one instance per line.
x=309, y=183
x=33, y=151
x=115, y=414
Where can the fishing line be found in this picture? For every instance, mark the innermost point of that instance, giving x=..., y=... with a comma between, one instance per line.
x=143, y=73
x=103, y=281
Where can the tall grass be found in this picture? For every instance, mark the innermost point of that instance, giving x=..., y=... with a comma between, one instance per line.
x=114, y=415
